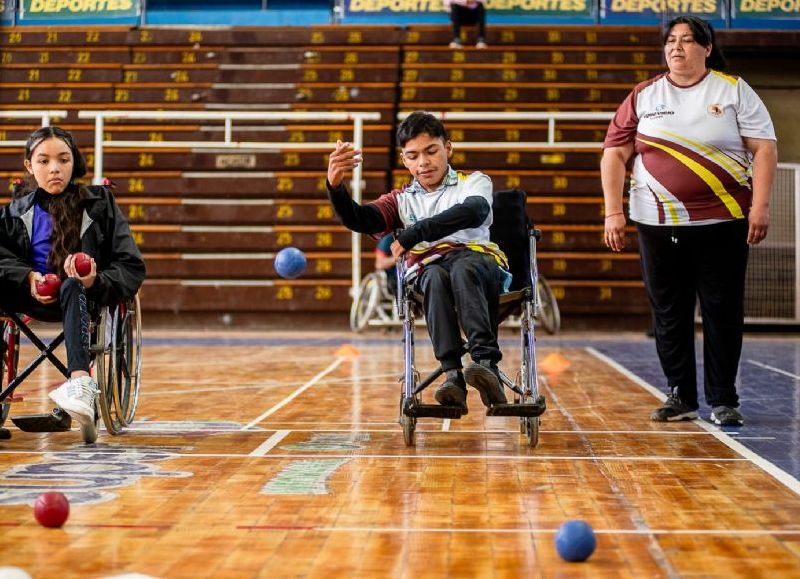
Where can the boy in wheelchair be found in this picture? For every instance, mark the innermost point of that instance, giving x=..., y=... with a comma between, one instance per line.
x=41, y=229
x=445, y=217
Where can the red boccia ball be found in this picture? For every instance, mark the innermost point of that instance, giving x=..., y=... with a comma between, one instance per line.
x=83, y=263
x=49, y=286
x=51, y=509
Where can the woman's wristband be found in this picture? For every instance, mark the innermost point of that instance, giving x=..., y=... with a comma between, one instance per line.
x=613, y=214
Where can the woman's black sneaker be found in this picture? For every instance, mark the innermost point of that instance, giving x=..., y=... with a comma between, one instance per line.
x=673, y=410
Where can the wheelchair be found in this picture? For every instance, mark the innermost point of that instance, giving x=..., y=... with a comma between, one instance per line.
x=374, y=305
x=115, y=351
x=515, y=235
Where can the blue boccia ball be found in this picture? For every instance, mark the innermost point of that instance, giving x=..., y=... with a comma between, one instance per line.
x=290, y=262
x=575, y=541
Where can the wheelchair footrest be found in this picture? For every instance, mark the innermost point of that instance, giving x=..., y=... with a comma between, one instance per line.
x=5, y=433
x=56, y=421
x=433, y=411
x=530, y=410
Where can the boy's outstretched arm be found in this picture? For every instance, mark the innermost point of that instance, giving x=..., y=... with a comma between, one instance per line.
x=358, y=218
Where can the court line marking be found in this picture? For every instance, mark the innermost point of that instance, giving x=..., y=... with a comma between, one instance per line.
x=135, y=429
x=497, y=457
x=243, y=386
x=773, y=369
x=735, y=532
x=771, y=469
x=331, y=367
x=446, y=425
x=270, y=443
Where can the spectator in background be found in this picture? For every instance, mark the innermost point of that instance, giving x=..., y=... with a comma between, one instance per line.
x=384, y=260
x=704, y=157
x=470, y=13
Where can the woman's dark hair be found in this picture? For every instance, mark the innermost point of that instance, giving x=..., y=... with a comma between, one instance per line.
x=703, y=34
x=417, y=123
x=65, y=208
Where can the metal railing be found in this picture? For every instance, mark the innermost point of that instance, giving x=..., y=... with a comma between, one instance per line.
x=227, y=142
x=550, y=117
x=44, y=115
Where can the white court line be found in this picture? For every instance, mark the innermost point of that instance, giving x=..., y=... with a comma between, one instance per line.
x=223, y=386
x=446, y=425
x=735, y=532
x=270, y=443
x=333, y=365
x=260, y=431
x=773, y=369
x=666, y=433
x=774, y=471
x=506, y=457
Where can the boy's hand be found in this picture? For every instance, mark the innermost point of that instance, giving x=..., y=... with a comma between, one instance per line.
x=342, y=160
x=397, y=250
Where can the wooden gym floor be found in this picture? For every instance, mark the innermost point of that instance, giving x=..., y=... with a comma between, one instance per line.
x=279, y=455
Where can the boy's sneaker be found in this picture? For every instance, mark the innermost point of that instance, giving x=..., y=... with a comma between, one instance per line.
x=481, y=43
x=453, y=391
x=77, y=397
x=485, y=378
x=673, y=410
x=456, y=43
x=726, y=416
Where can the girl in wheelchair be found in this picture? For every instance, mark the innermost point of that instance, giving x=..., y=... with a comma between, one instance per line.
x=50, y=218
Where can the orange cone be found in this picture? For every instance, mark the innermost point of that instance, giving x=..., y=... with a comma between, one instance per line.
x=347, y=351
x=554, y=363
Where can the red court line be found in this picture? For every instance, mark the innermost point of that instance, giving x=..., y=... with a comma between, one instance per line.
x=276, y=527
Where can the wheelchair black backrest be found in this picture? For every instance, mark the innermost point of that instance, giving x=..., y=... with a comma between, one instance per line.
x=509, y=230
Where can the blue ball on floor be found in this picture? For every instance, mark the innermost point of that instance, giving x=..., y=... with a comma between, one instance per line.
x=290, y=263
x=575, y=541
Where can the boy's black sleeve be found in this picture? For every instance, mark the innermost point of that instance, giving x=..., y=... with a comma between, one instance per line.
x=358, y=218
x=466, y=215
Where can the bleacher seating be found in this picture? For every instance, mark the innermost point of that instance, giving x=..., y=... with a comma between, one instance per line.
x=526, y=69
x=210, y=222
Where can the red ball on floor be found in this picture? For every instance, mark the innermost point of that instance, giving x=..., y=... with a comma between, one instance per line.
x=51, y=509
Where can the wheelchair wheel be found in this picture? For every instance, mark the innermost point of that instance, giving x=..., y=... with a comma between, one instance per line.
x=532, y=430
x=523, y=429
x=549, y=315
x=409, y=424
x=118, y=363
x=364, y=306
x=4, y=408
x=127, y=362
x=9, y=362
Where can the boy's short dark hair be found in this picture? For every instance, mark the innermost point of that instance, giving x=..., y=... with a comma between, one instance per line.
x=417, y=123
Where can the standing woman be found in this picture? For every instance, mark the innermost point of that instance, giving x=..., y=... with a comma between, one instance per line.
x=49, y=220
x=704, y=157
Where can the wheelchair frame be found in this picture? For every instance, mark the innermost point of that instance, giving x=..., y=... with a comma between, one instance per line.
x=528, y=403
x=375, y=306
x=115, y=350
